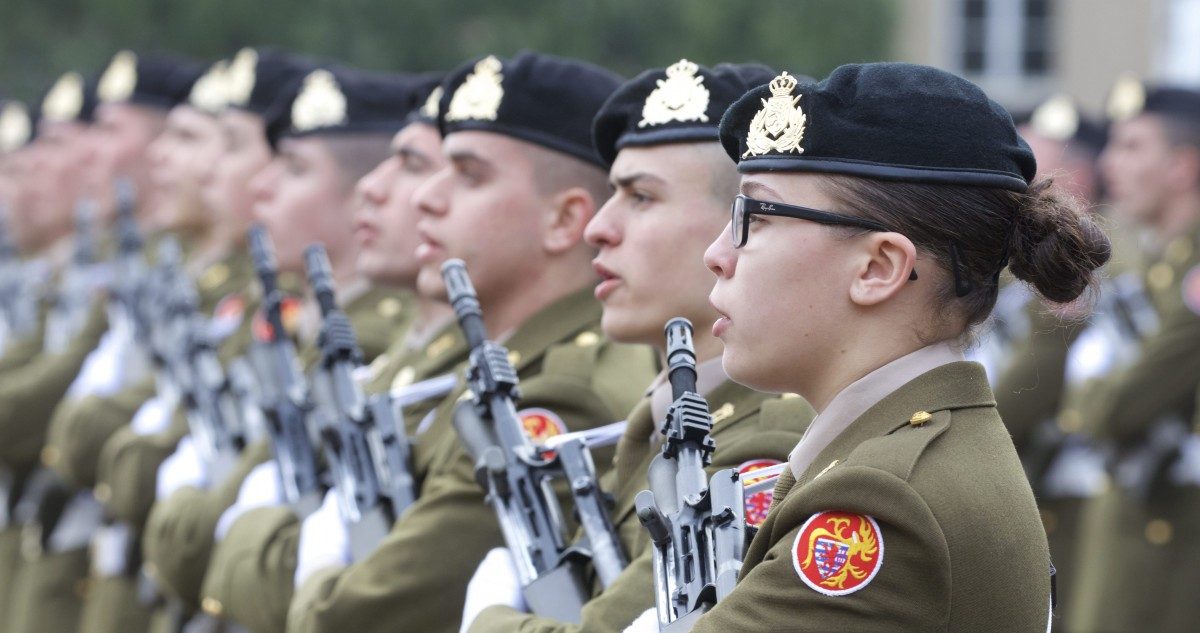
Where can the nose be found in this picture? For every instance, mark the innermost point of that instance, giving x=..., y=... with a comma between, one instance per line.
x=721, y=256
x=373, y=187
x=602, y=230
x=262, y=185
x=430, y=197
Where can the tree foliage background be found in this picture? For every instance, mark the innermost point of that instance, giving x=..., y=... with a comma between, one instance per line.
x=40, y=39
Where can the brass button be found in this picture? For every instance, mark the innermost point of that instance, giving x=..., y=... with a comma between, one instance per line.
x=514, y=357
x=920, y=417
x=212, y=606
x=1158, y=532
x=439, y=346
x=103, y=492
x=50, y=455
x=587, y=339
x=1070, y=421
x=390, y=307
x=1160, y=276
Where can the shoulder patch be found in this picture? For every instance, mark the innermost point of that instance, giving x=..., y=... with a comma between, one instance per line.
x=541, y=424
x=289, y=312
x=1191, y=290
x=228, y=315
x=758, y=503
x=838, y=553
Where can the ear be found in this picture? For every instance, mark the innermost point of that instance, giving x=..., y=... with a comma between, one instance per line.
x=566, y=218
x=885, y=266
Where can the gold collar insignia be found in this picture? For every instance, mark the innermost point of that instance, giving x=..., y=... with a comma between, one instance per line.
x=1127, y=98
x=15, y=127
x=209, y=91
x=680, y=97
x=779, y=125
x=319, y=104
x=430, y=109
x=119, y=79
x=480, y=94
x=1056, y=119
x=65, y=99
x=240, y=77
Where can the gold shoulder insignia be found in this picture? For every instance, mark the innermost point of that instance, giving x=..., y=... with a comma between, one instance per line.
x=119, y=79
x=1056, y=119
x=214, y=276
x=439, y=346
x=319, y=104
x=724, y=412
x=480, y=94
x=389, y=307
x=680, y=97
x=779, y=125
x=241, y=77
x=587, y=339
x=65, y=99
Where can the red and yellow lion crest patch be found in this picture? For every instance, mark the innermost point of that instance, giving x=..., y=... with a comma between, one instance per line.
x=838, y=553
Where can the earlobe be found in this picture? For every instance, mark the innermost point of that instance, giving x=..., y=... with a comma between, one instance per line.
x=887, y=264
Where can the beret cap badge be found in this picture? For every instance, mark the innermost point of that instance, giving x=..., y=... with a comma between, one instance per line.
x=1056, y=119
x=64, y=102
x=779, y=125
x=209, y=93
x=680, y=97
x=119, y=79
x=480, y=94
x=15, y=127
x=240, y=78
x=1127, y=98
x=430, y=109
x=319, y=104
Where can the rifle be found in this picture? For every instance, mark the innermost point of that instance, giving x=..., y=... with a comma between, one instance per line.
x=517, y=476
x=284, y=392
x=130, y=288
x=69, y=312
x=367, y=450
x=696, y=524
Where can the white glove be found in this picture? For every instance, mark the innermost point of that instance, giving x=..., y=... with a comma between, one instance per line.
x=152, y=417
x=183, y=468
x=647, y=622
x=495, y=583
x=101, y=372
x=324, y=540
x=261, y=488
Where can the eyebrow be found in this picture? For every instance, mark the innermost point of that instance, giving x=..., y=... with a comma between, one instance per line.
x=750, y=188
x=405, y=152
x=467, y=157
x=624, y=182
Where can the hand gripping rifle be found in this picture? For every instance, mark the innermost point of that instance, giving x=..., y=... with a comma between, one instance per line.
x=697, y=525
x=365, y=443
x=517, y=476
x=283, y=392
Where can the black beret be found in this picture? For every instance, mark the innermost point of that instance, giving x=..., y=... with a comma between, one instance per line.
x=157, y=81
x=1129, y=98
x=1060, y=119
x=541, y=99
x=677, y=104
x=339, y=100
x=70, y=99
x=887, y=121
x=256, y=77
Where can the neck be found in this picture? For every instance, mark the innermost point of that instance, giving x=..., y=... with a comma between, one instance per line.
x=518, y=302
x=342, y=266
x=1179, y=217
x=431, y=311
x=842, y=368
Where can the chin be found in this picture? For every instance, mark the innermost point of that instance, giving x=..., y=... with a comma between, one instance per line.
x=748, y=373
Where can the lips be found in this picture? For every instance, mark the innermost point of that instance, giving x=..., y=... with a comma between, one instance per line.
x=365, y=233
x=429, y=251
x=609, y=281
x=722, y=323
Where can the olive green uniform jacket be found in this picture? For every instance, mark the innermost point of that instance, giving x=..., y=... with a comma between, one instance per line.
x=1139, y=563
x=748, y=427
x=250, y=578
x=959, y=543
x=416, y=578
x=178, y=539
